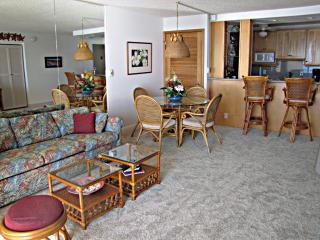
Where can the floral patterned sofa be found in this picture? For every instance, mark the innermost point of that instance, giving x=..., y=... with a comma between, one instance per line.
x=32, y=145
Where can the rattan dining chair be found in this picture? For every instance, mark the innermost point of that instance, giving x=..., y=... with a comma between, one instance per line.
x=99, y=105
x=59, y=97
x=201, y=122
x=153, y=120
x=197, y=91
x=138, y=91
x=299, y=94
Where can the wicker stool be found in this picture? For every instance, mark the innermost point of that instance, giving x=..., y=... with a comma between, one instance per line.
x=35, y=217
x=256, y=93
x=298, y=95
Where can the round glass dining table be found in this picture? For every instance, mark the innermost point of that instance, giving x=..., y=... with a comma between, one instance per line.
x=187, y=103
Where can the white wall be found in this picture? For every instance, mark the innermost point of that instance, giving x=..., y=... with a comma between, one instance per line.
x=201, y=21
x=124, y=25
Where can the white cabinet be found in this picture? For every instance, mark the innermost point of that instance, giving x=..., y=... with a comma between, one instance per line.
x=12, y=78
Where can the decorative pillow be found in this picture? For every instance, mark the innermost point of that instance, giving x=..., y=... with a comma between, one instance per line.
x=34, y=128
x=64, y=119
x=101, y=120
x=7, y=139
x=84, y=122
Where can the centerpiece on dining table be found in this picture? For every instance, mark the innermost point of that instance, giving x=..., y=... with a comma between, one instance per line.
x=87, y=85
x=174, y=89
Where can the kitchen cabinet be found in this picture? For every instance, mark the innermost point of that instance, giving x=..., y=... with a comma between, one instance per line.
x=313, y=48
x=291, y=44
x=265, y=44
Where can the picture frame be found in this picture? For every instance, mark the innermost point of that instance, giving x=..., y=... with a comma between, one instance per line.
x=139, y=58
x=53, y=62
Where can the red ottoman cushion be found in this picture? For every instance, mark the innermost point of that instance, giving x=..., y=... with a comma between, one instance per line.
x=84, y=122
x=32, y=213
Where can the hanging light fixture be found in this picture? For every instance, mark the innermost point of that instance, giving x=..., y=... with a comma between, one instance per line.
x=176, y=47
x=83, y=51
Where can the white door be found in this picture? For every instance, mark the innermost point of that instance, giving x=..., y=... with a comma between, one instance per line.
x=12, y=78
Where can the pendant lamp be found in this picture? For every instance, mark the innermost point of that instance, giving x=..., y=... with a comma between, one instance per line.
x=83, y=51
x=176, y=47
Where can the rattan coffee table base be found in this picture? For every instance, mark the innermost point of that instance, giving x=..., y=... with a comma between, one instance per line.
x=142, y=182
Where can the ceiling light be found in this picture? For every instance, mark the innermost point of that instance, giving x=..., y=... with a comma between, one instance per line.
x=263, y=34
x=176, y=47
x=83, y=51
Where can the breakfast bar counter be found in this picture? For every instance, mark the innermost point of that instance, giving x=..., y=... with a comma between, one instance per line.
x=232, y=107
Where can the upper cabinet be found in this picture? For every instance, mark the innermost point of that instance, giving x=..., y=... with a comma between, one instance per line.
x=313, y=47
x=265, y=44
x=291, y=44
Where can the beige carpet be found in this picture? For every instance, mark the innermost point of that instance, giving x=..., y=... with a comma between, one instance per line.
x=250, y=187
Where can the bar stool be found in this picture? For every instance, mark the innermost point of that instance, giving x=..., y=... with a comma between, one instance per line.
x=299, y=94
x=256, y=93
x=35, y=217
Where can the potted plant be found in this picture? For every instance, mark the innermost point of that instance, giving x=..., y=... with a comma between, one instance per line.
x=174, y=89
x=87, y=85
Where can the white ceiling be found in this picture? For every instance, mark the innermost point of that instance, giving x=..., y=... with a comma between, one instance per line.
x=167, y=7
x=37, y=15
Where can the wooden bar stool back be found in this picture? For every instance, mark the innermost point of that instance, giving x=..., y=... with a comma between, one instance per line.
x=299, y=95
x=256, y=93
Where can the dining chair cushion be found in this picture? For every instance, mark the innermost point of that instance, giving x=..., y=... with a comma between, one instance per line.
x=84, y=122
x=267, y=97
x=33, y=212
x=166, y=124
x=195, y=122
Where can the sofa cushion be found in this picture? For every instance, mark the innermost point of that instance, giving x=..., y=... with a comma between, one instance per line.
x=57, y=149
x=101, y=121
x=34, y=128
x=93, y=140
x=7, y=139
x=84, y=123
x=64, y=119
x=19, y=160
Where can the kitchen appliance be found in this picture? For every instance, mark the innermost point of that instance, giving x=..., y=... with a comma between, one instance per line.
x=264, y=57
x=316, y=74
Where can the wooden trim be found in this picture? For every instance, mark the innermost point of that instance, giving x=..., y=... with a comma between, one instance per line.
x=245, y=48
x=185, y=31
x=217, y=52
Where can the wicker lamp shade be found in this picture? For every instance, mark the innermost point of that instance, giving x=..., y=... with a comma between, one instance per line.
x=176, y=47
x=83, y=52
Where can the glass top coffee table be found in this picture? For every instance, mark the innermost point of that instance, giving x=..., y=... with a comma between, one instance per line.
x=85, y=193
x=131, y=158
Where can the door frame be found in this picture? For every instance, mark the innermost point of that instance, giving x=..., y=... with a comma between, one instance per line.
x=26, y=80
x=201, y=30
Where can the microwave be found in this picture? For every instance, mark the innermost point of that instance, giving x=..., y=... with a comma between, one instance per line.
x=264, y=57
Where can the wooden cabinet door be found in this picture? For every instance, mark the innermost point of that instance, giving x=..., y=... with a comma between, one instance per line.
x=282, y=46
x=265, y=44
x=189, y=70
x=291, y=44
x=313, y=47
x=297, y=44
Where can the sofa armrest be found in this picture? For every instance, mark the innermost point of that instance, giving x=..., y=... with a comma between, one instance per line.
x=114, y=125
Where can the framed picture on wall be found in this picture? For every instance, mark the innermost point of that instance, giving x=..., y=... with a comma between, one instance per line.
x=139, y=57
x=53, y=62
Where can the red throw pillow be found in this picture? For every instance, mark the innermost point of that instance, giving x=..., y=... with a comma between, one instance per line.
x=84, y=122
